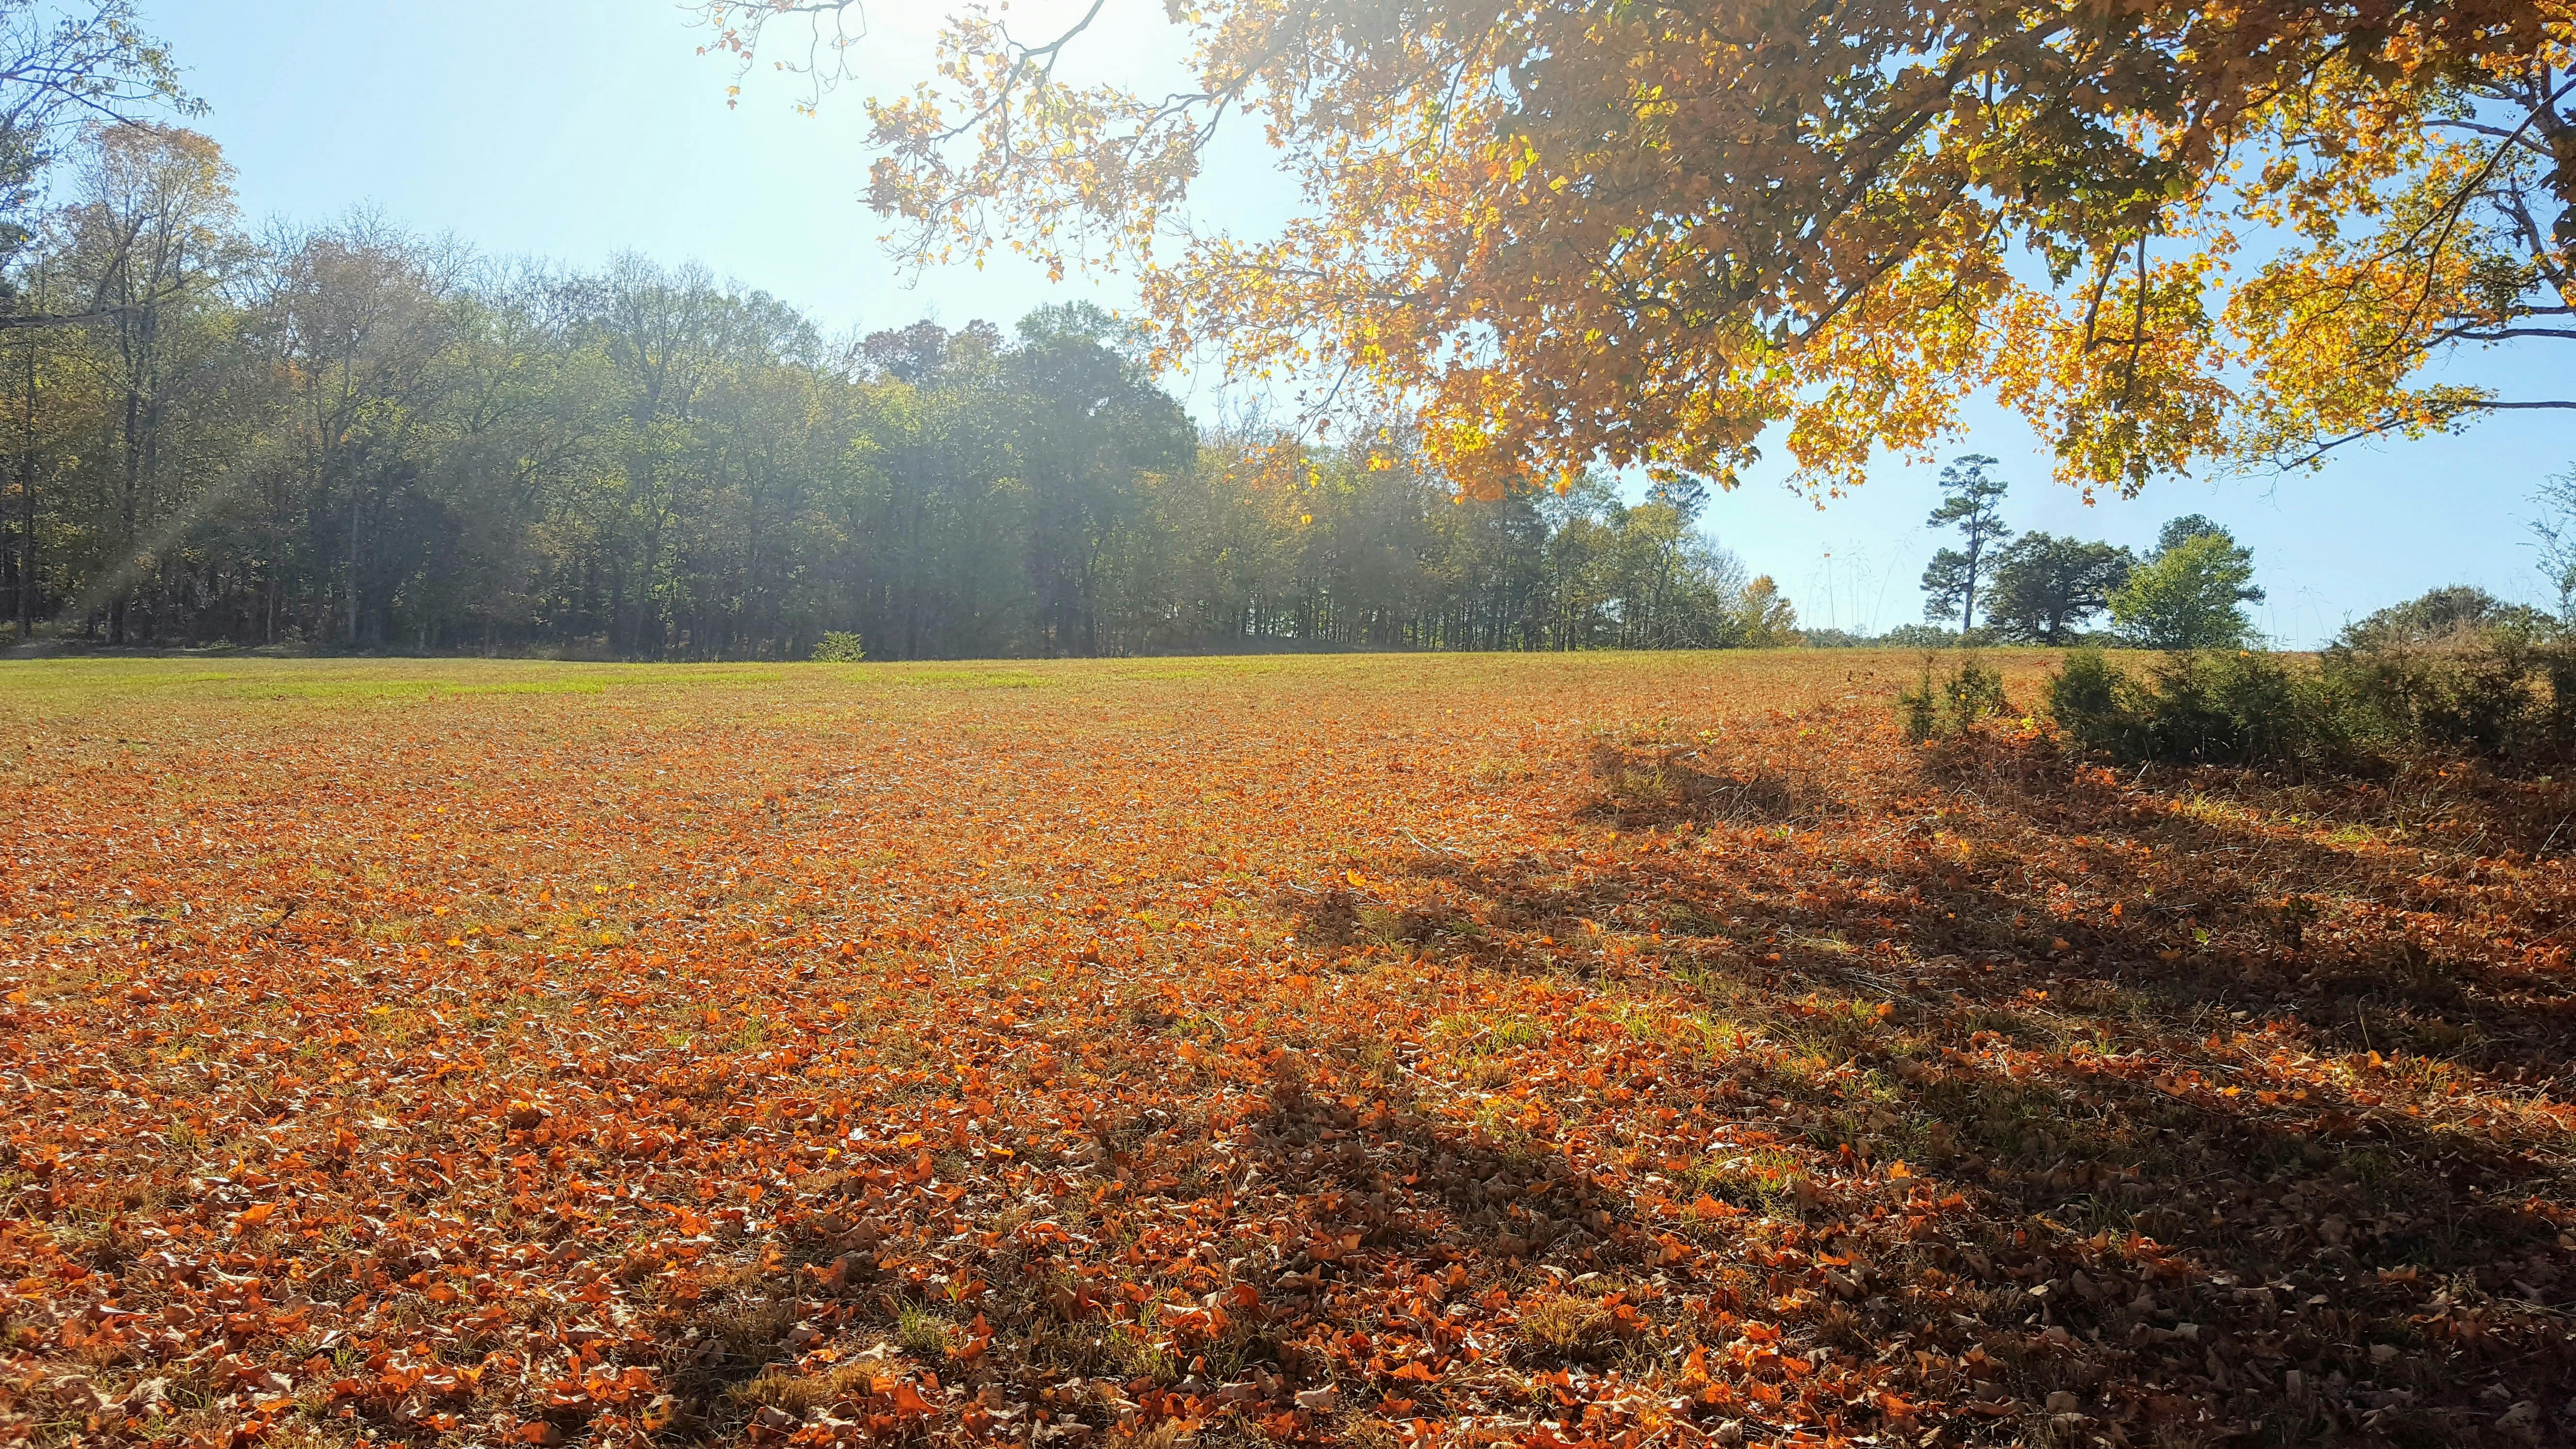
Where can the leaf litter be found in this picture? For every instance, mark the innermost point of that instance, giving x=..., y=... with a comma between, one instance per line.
x=1556, y=1052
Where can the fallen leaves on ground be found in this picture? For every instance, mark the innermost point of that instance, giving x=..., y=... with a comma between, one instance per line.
x=1384, y=1051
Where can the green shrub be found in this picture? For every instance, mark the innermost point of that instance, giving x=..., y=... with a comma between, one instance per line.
x=2500, y=692
x=2240, y=708
x=1918, y=710
x=2496, y=684
x=1952, y=706
x=2212, y=708
x=838, y=647
x=2442, y=616
x=2094, y=704
x=1973, y=693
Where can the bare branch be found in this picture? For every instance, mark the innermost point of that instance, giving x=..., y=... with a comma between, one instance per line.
x=2449, y=418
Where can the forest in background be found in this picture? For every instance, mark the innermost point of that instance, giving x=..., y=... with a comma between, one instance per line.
x=352, y=437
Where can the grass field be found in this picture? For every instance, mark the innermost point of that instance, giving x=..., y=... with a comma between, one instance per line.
x=1374, y=1050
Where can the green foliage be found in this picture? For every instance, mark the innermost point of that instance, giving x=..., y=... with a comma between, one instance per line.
x=2179, y=531
x=1766, y=617
x=2460, y=672
x=2048, y=588
x=2092, y=702
x=1973, y=693
x=642, y=462
x=1918, y=710
x=1971, y=503
x=838, y=646
x=2190, y=593
x=2454, y=673
x=1930, y=636
x=2206, y=707
x=2443, y=616
x=1950, y=707
x=1597, y=573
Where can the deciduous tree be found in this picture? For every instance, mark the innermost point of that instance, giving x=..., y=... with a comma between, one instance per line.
x=2191, y=593
x=1571, y=233
x=2046, y=587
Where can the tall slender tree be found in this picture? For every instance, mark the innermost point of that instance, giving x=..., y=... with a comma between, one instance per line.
x=1972, y=500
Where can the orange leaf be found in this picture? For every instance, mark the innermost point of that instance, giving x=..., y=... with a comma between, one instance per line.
x=908, y=1400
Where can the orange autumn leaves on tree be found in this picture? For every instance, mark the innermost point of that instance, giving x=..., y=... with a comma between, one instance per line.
x=1578, y=233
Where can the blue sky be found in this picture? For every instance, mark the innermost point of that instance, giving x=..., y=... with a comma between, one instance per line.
x=574, y=129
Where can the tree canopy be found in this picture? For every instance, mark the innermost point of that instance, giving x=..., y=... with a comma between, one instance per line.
x=2047, y=588
x=63, y=66
x=2191, y=592
x=1572, y=233
x=1971, y=503
x=347, y=436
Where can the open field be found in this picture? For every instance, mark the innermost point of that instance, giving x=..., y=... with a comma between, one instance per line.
x=1377, y=1050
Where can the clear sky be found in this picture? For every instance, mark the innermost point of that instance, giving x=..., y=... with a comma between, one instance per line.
x=575, y=129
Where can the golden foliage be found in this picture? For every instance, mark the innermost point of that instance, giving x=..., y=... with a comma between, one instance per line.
x=1571, y=233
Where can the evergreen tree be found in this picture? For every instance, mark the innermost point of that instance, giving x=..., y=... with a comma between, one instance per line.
x=1971, y=503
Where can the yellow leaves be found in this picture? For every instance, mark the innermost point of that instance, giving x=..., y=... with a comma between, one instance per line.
x=1694, y=271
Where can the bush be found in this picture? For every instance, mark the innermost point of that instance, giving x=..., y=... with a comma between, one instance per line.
x=838, y=647
x=2503, y=692
x=1950, y=707
x=1918, y=710
x=2210, y=708
x=2499, y=692
x=1973, y=693
x=2085, y=693
x=2461, y=671
x=2442, y=616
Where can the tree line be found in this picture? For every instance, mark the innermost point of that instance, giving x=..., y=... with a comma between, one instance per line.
x=2188, y=592
x=349, y=436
